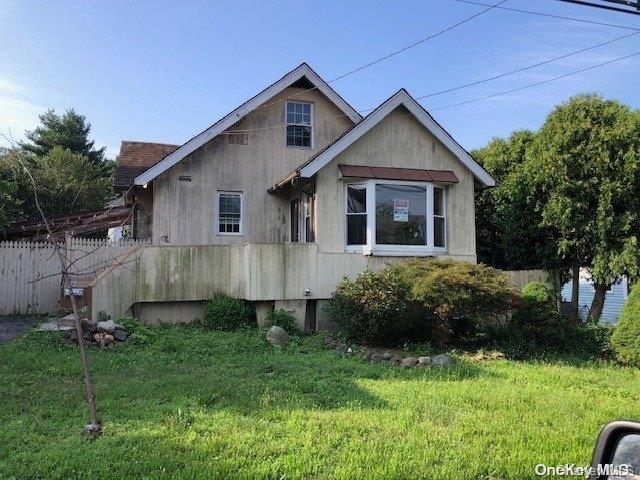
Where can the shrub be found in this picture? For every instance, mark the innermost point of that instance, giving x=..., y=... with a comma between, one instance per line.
x=460, y=296
x=626, y=338
x=373, y=308
x=458, y=289
x=537, y=328
x=139, y=333
x=281, y=318
x=539, y=292
x=226, y=313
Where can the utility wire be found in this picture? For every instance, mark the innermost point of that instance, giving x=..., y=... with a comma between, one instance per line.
x=528, y=67
x=549, y=15
x=419, y=42
x=575, y=72
x=392, y=54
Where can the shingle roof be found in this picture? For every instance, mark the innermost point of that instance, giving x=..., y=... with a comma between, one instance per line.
x=137, y=157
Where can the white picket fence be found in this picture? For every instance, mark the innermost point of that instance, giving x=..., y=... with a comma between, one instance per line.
x=30, y=280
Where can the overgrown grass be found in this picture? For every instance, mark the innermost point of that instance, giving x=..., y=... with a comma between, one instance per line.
x=196, y=404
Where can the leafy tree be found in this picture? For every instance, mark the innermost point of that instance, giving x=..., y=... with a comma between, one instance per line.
x=508, y=225
x=9, y=204
x=69, y=131
x=66, y=182
x=585, y=167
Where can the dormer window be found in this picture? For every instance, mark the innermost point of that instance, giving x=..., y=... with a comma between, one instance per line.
x=299, y=121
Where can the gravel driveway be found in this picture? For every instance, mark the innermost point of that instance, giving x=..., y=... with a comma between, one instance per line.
x=12, y=325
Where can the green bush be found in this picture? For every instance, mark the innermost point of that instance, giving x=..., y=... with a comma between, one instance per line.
x=537, y=328
x=626, y=338
x=461, y=297
x=458, y=289
x=139, y=333
x=281, y=318
x=372, y=309
x=226, y=313
x=539, y=292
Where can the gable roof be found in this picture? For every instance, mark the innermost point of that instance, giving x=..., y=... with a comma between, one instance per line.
x=401, y=97
x=302, y=71
x=136, y=158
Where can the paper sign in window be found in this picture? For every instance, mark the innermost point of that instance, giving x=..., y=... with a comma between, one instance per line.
x=400, y=210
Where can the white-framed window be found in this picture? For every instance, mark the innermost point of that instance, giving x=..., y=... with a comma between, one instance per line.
x=229, y=213
x=299, y=124
x=390, y=217
x=356, y=214
x=439, y=223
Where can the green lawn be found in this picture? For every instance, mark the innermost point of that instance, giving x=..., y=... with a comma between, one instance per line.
x=227, y=405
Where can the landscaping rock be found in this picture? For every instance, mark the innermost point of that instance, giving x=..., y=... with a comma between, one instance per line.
x=375, y=358
x=497, y=355
x=409, y=362
x=277, y=336
x=386, y=356
x=442, y=360
x=54, y=326
x=397, y=359
x=106, y=327
x=342, y=350
x=120, y=335
x=424, y=360
x=103, y=339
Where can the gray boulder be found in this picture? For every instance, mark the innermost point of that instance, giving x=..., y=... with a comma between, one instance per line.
x=409, y=362
x=442, y=360
x=424, y=360
x=120, y=335
x=107, y=327
x=277, y=337
x=342, y=350
x=386, y=356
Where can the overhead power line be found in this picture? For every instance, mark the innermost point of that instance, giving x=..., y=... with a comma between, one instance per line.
x=528, y=67
x=419, y=42
x=549, y=15
x=392, y=54
x=575, y=72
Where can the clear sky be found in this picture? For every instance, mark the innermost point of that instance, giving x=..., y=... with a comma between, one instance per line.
x=163, y=71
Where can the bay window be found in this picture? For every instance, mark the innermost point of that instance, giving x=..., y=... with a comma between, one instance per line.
x=390, y=217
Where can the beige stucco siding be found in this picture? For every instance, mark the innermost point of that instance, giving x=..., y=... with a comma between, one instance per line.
x=397, y=141
x=184, y=212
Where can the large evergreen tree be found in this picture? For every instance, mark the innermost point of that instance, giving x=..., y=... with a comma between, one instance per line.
x=585, y=164
x=69, y=131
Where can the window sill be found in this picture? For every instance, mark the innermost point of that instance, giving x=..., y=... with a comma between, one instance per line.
x=294, y=147
x=395, y=251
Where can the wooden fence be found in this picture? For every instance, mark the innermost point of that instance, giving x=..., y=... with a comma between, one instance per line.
x=30, y=280
x=519, y=278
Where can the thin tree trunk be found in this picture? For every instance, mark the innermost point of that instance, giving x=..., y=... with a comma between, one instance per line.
x=575, y=289
x=595, y=311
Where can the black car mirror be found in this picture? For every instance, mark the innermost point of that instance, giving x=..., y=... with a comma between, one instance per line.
x=617, y=453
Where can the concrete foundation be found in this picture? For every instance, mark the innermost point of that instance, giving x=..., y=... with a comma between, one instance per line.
x=155, y=313
x=298, y=308
x=262, y=308
x=323, y=320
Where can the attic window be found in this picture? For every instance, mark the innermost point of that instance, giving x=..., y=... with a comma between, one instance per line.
x=299, y=124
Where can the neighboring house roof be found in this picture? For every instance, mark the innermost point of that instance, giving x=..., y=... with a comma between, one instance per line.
x=402, y=97
x=302, y=71
x=136, y=158
x=75, y=223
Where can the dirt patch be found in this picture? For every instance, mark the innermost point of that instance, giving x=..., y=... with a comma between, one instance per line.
x=12, y=325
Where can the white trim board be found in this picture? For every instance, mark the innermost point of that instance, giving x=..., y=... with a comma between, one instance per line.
x=401, y=97
x=303, y=70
